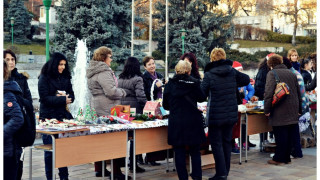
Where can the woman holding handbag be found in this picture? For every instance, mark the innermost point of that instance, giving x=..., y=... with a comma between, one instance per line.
x=284, y=121
x=185, y=129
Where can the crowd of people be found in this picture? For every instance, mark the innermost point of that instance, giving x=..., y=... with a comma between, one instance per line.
x=223, y=85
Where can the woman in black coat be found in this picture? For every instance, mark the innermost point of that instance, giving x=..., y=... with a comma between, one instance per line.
x=220, y=83
x=180, y=97
x=11, y=59
x=12, y=122
x=55, y=92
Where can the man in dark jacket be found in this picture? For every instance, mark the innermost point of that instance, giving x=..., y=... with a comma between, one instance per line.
x=21, y=79
x=220, y=83
x=12, y=122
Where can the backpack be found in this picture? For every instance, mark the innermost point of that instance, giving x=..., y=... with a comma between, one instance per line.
x=26, y=135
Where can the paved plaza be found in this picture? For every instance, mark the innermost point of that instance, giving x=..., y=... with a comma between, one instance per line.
x=255, y=169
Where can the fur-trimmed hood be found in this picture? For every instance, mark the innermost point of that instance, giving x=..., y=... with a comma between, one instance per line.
x=96, y=67
x=225, y=66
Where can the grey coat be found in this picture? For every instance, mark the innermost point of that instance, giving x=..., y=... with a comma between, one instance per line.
x=135, y=97
x=287, y=110
x=102, y=85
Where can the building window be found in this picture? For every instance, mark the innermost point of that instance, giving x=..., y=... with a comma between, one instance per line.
x=41, y=12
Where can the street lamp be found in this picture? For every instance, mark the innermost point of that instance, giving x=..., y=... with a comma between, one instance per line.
x=47, y=4
x=12, y=23
x=183, y=35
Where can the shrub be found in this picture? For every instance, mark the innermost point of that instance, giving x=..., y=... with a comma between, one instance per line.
x=158, y=55
x=235, y=55
x=306, y=51
x=284, y=38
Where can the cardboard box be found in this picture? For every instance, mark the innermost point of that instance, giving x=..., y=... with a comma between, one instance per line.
x=120, y=108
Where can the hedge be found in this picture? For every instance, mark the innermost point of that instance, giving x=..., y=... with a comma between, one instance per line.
x=284, y=38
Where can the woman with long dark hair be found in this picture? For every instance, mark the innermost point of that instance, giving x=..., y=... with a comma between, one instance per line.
x=132, y=82
x=12, y=122
x=21, y=78
x=191, y=58
x=55, y=92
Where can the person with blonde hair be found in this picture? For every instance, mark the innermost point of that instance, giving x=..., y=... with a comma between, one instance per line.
x=293, y=57
x=221, y=83
x=103, y=86
x=185, y=128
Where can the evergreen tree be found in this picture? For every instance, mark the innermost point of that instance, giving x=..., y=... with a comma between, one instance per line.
x=100, y=22
x=205, y=28
x=22, y=22
x=80, y=19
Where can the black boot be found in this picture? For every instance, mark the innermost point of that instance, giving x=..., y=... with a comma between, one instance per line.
x=106, y=173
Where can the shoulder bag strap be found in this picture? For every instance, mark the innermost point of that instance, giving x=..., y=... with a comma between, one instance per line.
x=276, y=76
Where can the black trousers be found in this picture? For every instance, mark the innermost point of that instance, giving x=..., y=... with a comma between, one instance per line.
x=285, y=136
x=10, y=168
x=220, y=139
x=180, y=157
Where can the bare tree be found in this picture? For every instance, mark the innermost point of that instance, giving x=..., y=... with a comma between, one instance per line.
x=294, y=9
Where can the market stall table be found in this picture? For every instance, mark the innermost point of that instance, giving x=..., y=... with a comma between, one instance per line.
x=84, y=149
x=256, y=122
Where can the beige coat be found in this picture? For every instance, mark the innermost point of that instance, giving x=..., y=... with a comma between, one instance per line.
x=102, y=86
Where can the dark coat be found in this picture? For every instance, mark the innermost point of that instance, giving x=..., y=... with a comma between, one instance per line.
x=13, y=117
x=135, y=97
x=286, y=111
x=22, y=81
x=296, y=66
x=307, y=78
x=185, y=120
x=221, y=84
x=147, y=83
x=260, y=82
x=52, y=106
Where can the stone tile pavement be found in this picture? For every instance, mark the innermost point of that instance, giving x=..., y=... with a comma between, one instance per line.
x=255, y=169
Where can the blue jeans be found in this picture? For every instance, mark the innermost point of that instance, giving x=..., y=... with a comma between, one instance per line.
x=180, y=157
x=63, y=172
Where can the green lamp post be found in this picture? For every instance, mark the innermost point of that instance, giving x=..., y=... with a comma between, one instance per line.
x=47, y=4
x=183, y=35
x=12, y=23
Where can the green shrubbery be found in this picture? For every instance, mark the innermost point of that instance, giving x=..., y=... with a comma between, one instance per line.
x=235, y=55
x=284, y=38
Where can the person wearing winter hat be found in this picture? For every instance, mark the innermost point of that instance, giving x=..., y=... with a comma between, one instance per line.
x=246, y=92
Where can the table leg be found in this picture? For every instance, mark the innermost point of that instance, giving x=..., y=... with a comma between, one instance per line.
x=240, y=142
x=134, y=154
x=103, y=168
x=246, y=120
x=53, y=156
x=167, y=170
x=30, y=163
x=127, y=156
x=174, y=162
x=112, y=174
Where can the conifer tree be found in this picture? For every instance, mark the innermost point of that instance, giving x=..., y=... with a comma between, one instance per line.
x=205, y=28
x=22, y=22
x=100, y=22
